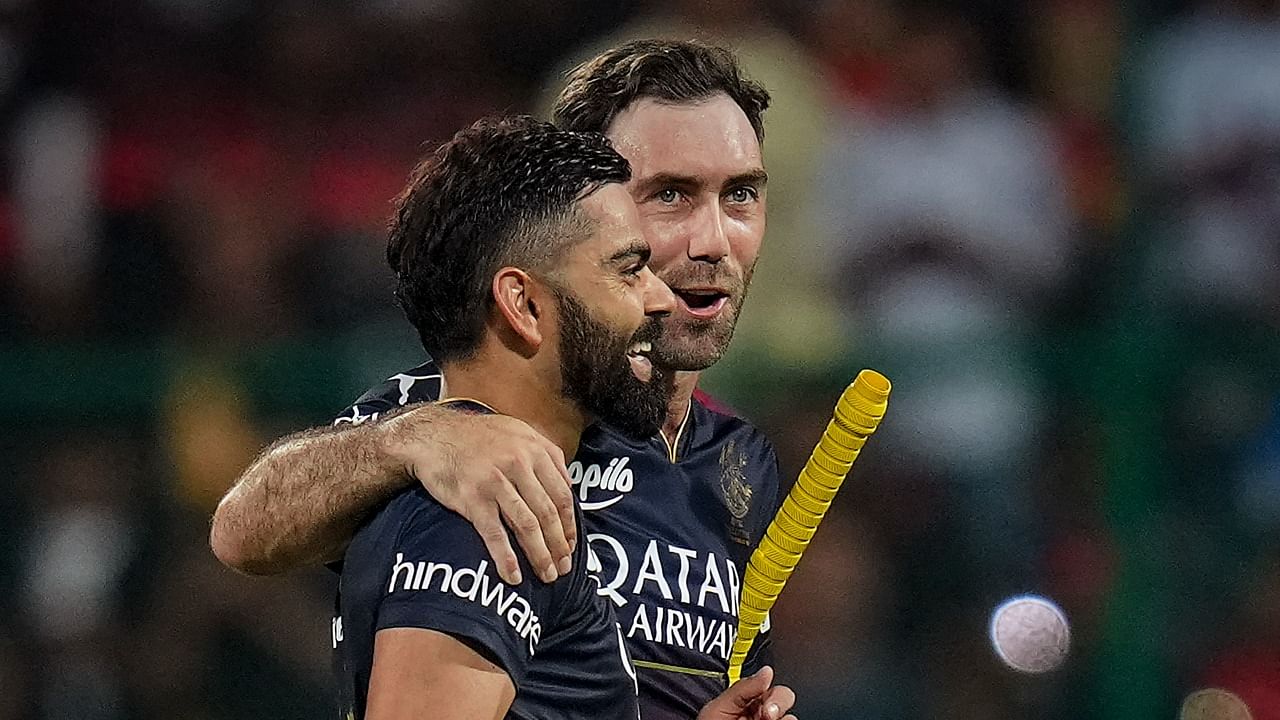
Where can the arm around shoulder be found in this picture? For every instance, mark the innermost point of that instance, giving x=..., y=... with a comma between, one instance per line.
x=300, y=501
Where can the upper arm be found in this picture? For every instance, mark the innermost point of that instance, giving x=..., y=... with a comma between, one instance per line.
x=421, y=673
x=436, y=575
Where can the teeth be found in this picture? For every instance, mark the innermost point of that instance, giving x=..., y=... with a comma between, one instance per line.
x=643, y=346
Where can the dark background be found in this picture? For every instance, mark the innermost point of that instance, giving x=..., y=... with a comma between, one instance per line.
x=1055, y=225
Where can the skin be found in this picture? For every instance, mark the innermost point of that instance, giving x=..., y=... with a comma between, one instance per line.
x=417, y=672
x=698, y=178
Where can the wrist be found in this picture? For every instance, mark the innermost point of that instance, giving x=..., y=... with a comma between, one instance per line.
x=388, y=450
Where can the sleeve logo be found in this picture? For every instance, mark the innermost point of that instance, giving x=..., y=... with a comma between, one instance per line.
x=474, y=585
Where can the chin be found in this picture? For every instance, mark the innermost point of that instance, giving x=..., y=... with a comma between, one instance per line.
x=692, y=356
x=693, y=346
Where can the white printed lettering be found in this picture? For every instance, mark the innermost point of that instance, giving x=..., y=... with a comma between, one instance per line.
x=675, y=621
x=408, y=569
x=613, y=477
x=609, y=589
x=713, y=584
x=427, y=570
x=488, y=591
x=683, y=579
x=651, y=569
x=641, y=622
x=720, y=640
x=474, y=575
x=698, y=631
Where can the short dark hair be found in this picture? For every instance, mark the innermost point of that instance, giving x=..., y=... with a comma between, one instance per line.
x=673, y=71
x=501, y=192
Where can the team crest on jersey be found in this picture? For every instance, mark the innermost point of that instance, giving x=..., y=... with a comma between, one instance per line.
x=737, y=493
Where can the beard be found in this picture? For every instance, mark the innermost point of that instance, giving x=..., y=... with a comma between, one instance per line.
x=690, y=343
x=596, y=373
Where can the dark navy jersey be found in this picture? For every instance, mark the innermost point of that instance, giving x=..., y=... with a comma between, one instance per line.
x=670, y=530
x=417, y=564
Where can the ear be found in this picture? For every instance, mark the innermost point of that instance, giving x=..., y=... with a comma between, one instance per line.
x=520, y=305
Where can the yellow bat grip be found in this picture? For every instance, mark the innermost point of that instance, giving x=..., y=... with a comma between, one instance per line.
x=857, y=415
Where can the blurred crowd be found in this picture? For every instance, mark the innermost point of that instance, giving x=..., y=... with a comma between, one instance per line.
x=1054, y=224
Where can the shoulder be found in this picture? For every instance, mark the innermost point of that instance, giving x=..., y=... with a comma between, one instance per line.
x=725, y=425
x=419, y=384
x=413, y=508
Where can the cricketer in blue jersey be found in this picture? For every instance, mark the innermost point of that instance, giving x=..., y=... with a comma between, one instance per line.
x=520, y=262
x=669, y=529
x=417, y=564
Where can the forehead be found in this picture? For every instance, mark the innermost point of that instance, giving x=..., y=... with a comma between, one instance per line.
x=615, y=221
x=711, y=138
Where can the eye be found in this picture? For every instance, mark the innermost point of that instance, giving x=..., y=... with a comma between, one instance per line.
x=743, y=194
x=633, y=270
x=667, y=196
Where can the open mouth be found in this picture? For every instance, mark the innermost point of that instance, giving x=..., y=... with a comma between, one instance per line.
x=701, y=303
x=638, y=355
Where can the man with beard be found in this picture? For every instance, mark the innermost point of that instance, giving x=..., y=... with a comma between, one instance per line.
x=521, y=264
x=671, y=520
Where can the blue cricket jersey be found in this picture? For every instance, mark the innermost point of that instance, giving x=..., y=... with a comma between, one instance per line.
x=669, y=528
x=417, y=564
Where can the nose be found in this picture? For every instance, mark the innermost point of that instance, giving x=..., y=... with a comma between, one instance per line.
x=709, y=242
x=658, y=298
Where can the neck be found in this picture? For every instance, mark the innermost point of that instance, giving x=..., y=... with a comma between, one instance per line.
x=518, y=388
x=678, y=408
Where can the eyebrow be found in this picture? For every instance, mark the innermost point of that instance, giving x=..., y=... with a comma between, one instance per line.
x=757, y=178
x=660, y=180
x=636, y=248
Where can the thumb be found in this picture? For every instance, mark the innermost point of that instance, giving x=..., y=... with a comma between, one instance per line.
x=750, y=689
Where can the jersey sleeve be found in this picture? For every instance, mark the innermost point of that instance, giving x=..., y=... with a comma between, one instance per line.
x=421, y=384
x=439, y=577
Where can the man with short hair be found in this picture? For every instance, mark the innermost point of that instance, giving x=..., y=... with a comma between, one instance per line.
x=520, y=262
x=672, y=520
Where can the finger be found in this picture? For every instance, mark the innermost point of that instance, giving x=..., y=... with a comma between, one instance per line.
x=534, y=493
x=528, y=532
x=497, y=542
x=748, y=690
x=561, y=497
x=778, y=700
x=562, y=464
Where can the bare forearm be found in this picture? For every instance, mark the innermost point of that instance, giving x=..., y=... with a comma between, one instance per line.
x=301, y=500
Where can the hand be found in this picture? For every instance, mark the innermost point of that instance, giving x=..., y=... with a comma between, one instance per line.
x=490, y=469
x=752, y=698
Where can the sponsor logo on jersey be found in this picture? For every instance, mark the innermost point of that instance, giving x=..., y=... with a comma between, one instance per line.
x=474, y=585
x=335, y=631
x=405, y=383
x=605, y=483
x=670, y=595
x=353, y=416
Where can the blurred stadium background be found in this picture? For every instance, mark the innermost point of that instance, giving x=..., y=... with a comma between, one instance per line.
x=1054, y=224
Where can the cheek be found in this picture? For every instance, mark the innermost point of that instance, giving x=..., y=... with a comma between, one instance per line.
x=745, y=239
x=667, y=238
